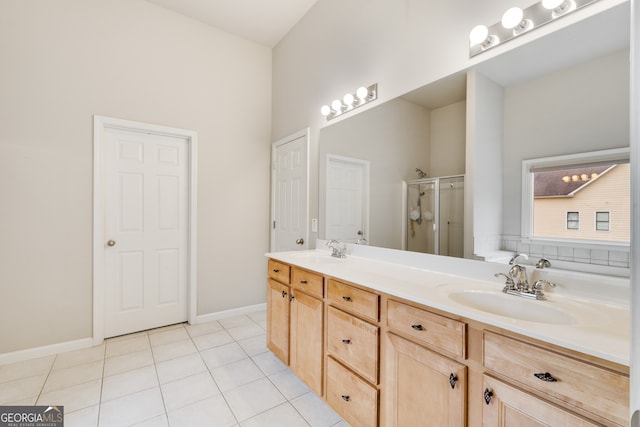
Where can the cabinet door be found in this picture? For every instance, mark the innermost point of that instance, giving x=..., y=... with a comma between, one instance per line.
x=507, y=406
x=422, y=388
x=307, y=339
x=278, y=319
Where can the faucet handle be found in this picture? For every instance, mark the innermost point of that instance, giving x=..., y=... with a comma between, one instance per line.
x=542, y=263
x=508, y=283
x=538, y=288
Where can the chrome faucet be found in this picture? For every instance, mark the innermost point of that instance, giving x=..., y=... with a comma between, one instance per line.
x=542, y=263
x=518, y=273
x=517, y=282
x=338, y=250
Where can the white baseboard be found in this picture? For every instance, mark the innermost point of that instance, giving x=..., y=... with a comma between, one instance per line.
x=47, y=350
x=229, y=313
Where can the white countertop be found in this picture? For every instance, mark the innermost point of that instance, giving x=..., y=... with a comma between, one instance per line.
x=596, y=326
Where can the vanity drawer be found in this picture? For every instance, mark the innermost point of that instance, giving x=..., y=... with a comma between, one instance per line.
x=279, y=271
x=432, y=329
x=352, y=299
x=580, y=384
x=308, y=282
x=354, y=342
x=351, y=397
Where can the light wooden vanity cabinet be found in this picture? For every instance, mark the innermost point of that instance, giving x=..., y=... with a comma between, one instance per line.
x=353, y=348
x=278, y=309
x=295, y=313
x=599, y=393
x=379, y=360
x=423, y=385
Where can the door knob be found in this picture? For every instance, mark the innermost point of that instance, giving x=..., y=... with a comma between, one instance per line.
x=300, y=241
x=111, y=243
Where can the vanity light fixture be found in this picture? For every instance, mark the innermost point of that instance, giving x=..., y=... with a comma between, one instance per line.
x=513, y=19
x=350, y=101
x=517, y=21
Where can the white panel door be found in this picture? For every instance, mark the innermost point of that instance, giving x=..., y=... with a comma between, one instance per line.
x=290, y=194
x=146, y=224
x=346, y=199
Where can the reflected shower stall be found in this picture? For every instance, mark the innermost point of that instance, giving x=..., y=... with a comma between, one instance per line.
x=435, y=216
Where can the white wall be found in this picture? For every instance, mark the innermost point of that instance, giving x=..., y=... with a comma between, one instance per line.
x=448, y=140
x=64, y=61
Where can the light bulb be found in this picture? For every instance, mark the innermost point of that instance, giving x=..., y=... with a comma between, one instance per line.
x=551, y=4
x=325, y=110
x=337, y=105
x=479, y=34
x=348, y=99
x=566, y=178
x=362, y=93
x=512, y=18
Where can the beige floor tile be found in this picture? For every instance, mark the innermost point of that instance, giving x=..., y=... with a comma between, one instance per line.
x=172, y=350
x=254, y=345
x=64, y=378
x=235, y=321
x=20, y=389
x=254, y=398
x=281, y=415
x=87, y=417
x=211, y=340
x=245, y=331
x=213, y=411
x=134, y=344
x=180, y=367
x=203, y=328
x=133, y=408
x=129, y=382
x=186, y=391
x=219, y=356
x=73, y=398
x=236, y=374
x=127, y=362
x=79, y=357
x=25, y=369
x=168, y=336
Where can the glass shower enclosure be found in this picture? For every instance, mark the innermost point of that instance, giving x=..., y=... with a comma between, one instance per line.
x=435, y=216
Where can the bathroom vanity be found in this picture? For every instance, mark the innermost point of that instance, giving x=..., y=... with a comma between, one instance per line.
x=433, y=341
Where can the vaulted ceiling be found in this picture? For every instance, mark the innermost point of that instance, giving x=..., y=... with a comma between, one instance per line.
x=263, y=21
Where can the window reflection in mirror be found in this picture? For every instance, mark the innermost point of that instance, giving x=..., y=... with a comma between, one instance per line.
x=582, y=198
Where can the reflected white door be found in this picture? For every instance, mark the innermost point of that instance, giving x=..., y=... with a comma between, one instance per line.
x=146, y=224
x=347, y=206
x=290, y=205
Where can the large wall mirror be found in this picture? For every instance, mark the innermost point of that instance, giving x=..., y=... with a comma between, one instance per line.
x=562, y=94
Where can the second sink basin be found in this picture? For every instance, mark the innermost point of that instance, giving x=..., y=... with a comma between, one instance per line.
x=512, y=306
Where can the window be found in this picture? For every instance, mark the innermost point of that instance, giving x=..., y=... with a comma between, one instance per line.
x=573, y=220
x=580, y=198
x=602, y=221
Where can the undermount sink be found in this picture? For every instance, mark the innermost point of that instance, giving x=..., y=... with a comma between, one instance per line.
x=512, y=306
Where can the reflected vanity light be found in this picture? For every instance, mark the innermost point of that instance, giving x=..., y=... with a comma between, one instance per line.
x=517, y=21
x=350, y=101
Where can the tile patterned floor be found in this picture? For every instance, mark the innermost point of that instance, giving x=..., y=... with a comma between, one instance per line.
x=212, y=374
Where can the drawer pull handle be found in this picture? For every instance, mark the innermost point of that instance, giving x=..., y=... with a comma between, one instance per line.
x=417, y=327
x=346, y=398
x=284, y=294
x=303, y=282
x=453, y=380
x=291, y=297
x=488, y=394
x=275, y=270
x=346, y=341
x=347, y=299
x=546, y=377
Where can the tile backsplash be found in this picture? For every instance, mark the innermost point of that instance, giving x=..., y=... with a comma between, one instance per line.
x=611, y=258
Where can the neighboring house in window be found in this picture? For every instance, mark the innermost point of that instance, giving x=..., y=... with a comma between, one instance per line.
x=590, y=203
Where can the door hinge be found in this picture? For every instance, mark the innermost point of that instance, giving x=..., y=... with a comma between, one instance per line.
x=274, y=225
